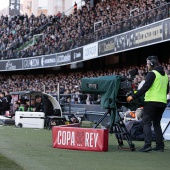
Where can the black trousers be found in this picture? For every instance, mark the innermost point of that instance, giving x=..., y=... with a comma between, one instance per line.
x=152, y=114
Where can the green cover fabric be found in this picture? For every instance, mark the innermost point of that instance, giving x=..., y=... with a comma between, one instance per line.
x=107, y=87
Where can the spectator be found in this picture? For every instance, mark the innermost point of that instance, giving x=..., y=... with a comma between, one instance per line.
x=3, y=103
x=9, y=98
x=75, y=8
x=16, y=31
x=59, y=14
x=69, y=83
x=38, y=104
x=89, y=99
x=43, y=104
x=47, y=106
x=98, y=99
x=16, y=106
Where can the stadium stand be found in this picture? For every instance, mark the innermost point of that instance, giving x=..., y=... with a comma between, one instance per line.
x=69, y=83
x=61, y=33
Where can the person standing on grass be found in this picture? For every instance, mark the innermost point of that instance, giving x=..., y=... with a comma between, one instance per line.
x=155, y=88
x=3, y=103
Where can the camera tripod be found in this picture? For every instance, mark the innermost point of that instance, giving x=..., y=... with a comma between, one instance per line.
x=120, y=131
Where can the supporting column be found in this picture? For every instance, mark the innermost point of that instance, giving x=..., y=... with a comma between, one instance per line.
x=35, y=7
x=52, y=7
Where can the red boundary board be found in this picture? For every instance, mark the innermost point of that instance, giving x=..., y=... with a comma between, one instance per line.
x=71, y=137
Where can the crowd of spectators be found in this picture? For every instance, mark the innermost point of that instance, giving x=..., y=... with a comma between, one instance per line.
x=61, y=32
x=16, y=30
x=70, y=84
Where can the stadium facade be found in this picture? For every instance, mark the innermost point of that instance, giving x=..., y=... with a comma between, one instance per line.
x=48, y=7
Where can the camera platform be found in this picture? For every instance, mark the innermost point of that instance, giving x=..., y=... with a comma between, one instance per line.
x=120, y=131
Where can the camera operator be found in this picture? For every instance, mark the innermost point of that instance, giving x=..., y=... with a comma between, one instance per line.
x=155, y=88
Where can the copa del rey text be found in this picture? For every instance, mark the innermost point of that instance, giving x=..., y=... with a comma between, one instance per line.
x=69, y=138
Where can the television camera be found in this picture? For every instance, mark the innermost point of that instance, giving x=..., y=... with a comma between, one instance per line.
x=114, y=90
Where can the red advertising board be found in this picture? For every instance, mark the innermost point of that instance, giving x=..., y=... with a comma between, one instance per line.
x=76, y=138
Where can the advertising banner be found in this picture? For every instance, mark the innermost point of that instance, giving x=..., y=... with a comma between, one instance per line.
x=124, y=41
x=166, y=30
x=11, y=65
x=106, y=46
x=77, y=55
x=63, y=58
x=144, y=36
x=32, y=62
x=90, y=51
x=89, y=139
x=149, y=34
x=138, y=38
x=49, y=60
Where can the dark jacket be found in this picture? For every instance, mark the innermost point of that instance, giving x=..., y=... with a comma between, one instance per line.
x=38, y=107
x=3, y=105
x=9, y=98
x=150, y=77
x=47, y=106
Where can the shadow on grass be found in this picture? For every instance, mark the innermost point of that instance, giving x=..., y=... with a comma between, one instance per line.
x=7, y=164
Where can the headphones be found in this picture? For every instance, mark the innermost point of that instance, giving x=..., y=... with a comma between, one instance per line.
x=153, y=60
x=152, y=64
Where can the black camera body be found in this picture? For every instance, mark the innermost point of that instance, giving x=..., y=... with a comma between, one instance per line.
x=125, y=90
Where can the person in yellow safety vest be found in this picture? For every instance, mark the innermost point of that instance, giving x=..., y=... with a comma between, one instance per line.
x=155, y=88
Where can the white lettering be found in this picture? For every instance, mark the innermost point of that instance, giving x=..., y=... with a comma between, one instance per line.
x=72, y=139
x=91, y=139
x=63, y=137
x=77, y=55
x=87, y=139
x=59, y=139
x=95, y=139
x=48, y=61
x=66, y=138
x=31, y=63
x=64, y=58
x=90, y=51
x=34, y=62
